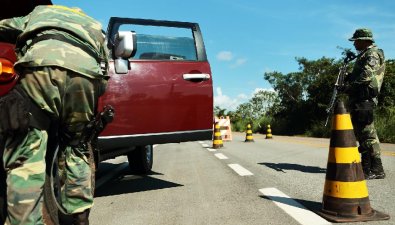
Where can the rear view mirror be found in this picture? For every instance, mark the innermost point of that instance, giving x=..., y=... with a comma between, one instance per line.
x=124, y=48
x=125, y=44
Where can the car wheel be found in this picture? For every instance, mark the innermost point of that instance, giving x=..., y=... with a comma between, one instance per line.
x=141, y=159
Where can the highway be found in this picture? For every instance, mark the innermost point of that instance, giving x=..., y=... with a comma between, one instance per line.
x=268, y=181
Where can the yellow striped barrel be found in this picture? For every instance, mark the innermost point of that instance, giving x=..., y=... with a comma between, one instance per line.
x=345, y=197
x=217, y=141
x=249, y=137
x=269, y=132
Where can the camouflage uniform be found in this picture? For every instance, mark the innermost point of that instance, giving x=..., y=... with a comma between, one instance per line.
x=365, y=83
x=65, y=81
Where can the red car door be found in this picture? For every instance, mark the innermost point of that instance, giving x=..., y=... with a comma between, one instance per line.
x=166, y=95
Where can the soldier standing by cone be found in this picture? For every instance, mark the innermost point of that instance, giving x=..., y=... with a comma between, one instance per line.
x=62, y=62
x=363, y=85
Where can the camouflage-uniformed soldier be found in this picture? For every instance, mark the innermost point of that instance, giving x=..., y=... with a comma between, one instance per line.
x=61, y=53
x=364, y=83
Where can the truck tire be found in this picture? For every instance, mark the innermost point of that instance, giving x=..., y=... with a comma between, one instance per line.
x=51, y=212
x=141, y=159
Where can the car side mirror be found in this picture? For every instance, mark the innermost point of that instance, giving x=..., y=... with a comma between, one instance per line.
x=124, y=47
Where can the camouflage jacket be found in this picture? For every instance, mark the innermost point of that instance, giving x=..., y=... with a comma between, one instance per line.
x=366, y=78
x=72, y=25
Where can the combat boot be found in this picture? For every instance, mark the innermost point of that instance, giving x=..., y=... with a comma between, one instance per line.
x=377, y=171
x=81, y=218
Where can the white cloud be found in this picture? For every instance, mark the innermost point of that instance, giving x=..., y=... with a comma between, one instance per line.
x=242, y=96
x=225, y=56
x=226, y=102
x=219, y=91
x=239, y=62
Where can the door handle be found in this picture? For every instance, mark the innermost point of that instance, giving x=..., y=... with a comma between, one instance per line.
x=197, y=76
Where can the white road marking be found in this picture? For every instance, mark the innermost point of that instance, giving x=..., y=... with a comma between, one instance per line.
x=293, y=208
x=211, y=150
x=201, y=142
x=240, y=170
x=221, y=156
x=205, y=145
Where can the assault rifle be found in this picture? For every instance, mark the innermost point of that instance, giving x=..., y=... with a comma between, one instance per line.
x=339, y=85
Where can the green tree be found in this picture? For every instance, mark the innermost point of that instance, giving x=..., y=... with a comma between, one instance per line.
x=304, y=95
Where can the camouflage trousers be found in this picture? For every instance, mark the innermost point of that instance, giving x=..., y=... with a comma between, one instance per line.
x=366, y=135
x=71, y=99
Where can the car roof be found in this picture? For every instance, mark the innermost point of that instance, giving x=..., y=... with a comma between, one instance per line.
x=15, y=8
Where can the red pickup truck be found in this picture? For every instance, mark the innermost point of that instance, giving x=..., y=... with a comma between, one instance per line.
x=160, y=88
x=163, y=94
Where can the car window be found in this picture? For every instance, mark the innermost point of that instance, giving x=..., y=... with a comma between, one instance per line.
x=163, y=43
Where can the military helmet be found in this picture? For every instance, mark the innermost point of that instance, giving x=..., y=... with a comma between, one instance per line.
x=362, y=34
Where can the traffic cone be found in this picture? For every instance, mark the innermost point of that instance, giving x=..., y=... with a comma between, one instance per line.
x=269, y=133
x=345, y=197
x=217, y=141
x=249, y=137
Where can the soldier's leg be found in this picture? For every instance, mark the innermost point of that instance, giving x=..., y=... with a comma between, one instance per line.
x=79, y=105
x=365, y=153
x=372, y=144
x=25, y=166
x=45, y=86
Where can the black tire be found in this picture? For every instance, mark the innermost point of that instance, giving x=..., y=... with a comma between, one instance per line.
x=51, y=211
x=141, y=159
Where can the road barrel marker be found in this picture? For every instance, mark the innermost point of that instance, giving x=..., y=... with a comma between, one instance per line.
x=249, y=137
x=345, y=197
x=217, y=141
x=269, y=132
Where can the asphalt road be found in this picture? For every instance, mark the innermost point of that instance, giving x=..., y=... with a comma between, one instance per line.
x=269, y=181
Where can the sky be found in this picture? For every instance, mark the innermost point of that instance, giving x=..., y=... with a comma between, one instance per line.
x=246, y=38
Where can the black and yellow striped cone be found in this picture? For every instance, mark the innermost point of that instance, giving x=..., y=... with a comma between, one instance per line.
x=217, y=141
x=269, y=133
x=249, y=137
x=345, y=197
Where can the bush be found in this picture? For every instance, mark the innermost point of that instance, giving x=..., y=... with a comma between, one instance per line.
x=385, y=124
x=318, y=129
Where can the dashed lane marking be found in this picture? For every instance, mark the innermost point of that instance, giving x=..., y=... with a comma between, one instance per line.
x=240, y=170
x=293, y=208
x=211, y=150
x=205, y=145
x=221, y=156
